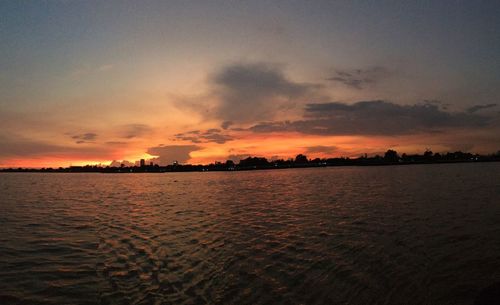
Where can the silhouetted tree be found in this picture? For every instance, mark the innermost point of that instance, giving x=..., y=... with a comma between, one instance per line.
x=253, y=161
x=300, y=159
x=428, y=155
x=316, y=160
x=391, y=156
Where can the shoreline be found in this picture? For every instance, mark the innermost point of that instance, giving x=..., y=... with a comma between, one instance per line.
x=223, y=168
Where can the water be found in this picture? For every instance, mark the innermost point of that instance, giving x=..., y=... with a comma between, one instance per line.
x=425, y=234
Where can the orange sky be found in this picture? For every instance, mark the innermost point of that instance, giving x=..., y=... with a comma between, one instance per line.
x=89, y=83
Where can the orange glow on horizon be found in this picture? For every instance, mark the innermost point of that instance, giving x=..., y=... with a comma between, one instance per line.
x=271, y=146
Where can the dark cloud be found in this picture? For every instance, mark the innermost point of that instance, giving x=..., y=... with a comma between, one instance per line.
x=359, y=78
x=84, y=137
x=213, y=130
x=130, y=131
x=213, y=135
x=169, y=153
x=480, y=107
x=226, y=124
x=115, y=143
x=183, y=137
x=438, y=103
x=217, y=138
x=320, y=149
x=374, y=118
x=249, y=92
x=11, y=147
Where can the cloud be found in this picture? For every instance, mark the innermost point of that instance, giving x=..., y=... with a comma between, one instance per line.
x=320, y=149
x=247, y=92
x=15, y=147
x=360, y=78
x=226, y=124
x=84, y=137
x=217, y=138
x=480, y=107
x=438, y=103
x=169, y=153
x=130, y=131
x=213, y=135
x=374, y=118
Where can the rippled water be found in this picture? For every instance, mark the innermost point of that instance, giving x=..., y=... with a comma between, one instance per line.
x=425, y=234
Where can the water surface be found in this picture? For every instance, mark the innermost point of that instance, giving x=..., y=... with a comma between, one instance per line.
x=420, y=234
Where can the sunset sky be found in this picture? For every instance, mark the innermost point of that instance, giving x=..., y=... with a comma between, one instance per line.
x=198, y=81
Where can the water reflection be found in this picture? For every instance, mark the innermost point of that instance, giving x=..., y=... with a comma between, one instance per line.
x=388, y=235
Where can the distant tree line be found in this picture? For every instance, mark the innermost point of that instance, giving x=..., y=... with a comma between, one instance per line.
x=391, y=157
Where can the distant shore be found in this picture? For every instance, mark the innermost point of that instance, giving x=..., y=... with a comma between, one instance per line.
x=391, y=157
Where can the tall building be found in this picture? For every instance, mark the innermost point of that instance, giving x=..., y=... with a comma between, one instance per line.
x=143, y=163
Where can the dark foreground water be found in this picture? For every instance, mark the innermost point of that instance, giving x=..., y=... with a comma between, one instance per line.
x=425, y=234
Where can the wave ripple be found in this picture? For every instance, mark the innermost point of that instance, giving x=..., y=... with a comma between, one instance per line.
x=378, y=235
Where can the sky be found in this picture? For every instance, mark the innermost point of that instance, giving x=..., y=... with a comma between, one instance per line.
x=88, y=82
